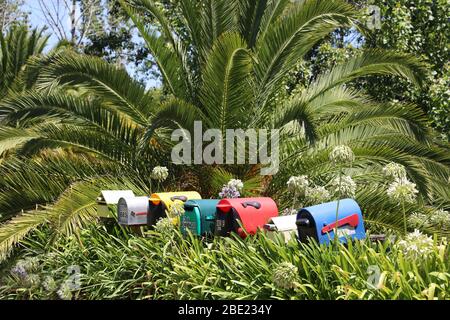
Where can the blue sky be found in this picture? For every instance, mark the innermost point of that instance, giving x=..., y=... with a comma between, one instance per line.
x=37, y=19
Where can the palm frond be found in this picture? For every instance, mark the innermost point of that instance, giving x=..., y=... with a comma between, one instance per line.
x=175, y=114
x=292, y=36
x=369, y=62
x=17, y=46
x=168, y=63
x=226, y=91
x=12, y=138
x=104, y=79
x=12, y=232
x=74, y=208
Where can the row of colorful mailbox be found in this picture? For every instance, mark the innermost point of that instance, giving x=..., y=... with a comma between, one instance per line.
x=245, y=216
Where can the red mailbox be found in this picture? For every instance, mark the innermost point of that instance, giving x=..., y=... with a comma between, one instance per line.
x=253, y=214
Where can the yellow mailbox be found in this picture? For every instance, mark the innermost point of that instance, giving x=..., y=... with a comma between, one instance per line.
x=161, y=202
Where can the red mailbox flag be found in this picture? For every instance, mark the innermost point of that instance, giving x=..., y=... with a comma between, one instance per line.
x=352, y=220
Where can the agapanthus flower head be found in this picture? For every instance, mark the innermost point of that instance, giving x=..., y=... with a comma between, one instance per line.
x=298, y=184
x=317, y=195
x=416, y=245
x=19, y=271
x=49, y=284
x=228, y=192
x=236, y=183
x=31, y=263
x=165, y=226
x=418, y=220
x=345, y=185
x=65, y=292
x=394, y=170
x=176, y=209
x=342, y=155
x=160, y=173
x=402, y=190
x=32, y=280
x=440, y=218
x=285, y=275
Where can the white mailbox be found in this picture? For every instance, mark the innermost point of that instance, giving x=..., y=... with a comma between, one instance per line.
x=107, y=202
x=283, y=224
x=133, y=211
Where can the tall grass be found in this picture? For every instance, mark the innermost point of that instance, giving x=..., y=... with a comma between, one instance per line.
x=117, y=265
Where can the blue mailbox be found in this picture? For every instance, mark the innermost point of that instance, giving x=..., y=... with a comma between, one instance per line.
x=319, y=222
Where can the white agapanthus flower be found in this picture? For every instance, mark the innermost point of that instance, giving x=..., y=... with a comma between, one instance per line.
x=65, y=292
x=236, y=183
x=416, y=245
x=164, y=226
x=29, y=264
x=285, y=275
x=176, y=209
x=32, y=280
x=418, y=220
x=342, y=155
x=394, y=170
x=49, y=284
x=346, y=185
x=440, y=218
x=160, y=173
x=402, y=190
x=317, y=195
x=298, y=184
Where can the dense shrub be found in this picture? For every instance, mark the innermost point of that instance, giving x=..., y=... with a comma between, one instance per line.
x=164, y=265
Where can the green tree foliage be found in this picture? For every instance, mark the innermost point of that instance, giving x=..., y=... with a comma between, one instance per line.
x=419, y=27
x=11, y=13
x=111, y=36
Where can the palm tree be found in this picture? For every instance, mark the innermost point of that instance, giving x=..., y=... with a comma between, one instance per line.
x=17, y=46
x=88, y=125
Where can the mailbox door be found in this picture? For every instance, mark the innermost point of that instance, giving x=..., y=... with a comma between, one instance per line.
x=123, y=212
x=208, y=223
x=156, y=212
x=190, y=220
x=225, y=223
x=207, y=210
x=309, y=231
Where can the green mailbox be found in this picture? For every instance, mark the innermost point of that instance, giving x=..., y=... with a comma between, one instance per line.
x=199, y=217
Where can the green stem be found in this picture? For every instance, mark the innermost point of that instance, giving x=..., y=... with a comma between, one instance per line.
x=404, y=216
x=294, y=204
x=149, y=187
x=336, y=238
